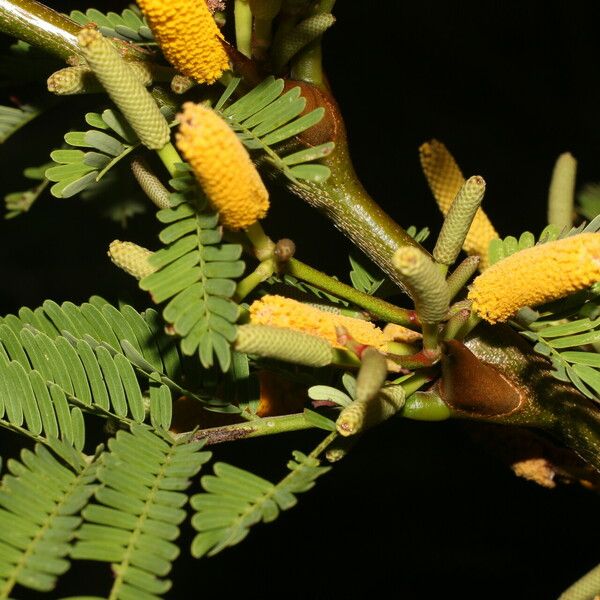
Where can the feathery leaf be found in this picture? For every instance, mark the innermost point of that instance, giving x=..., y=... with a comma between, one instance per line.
x=39, y=502
x=267, y=116
x=138, y=509
x=235, y=499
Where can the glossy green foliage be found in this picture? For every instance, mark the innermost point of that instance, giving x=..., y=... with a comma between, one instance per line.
x=235, y=499
x=40, y=499
x=135, y=520
x=267, y=116
x=196, y=274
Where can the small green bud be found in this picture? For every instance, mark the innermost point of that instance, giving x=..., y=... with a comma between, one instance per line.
x=371, y=375
x=362, y=415
x=302, y=35
x=150, y=183
x=132, y=258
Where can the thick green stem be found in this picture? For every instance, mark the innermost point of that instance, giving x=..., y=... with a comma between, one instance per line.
x=263, y=271
x=169, y=157
x=307, y=65
x=243, y=27
x=344, y=200
x=377, y=307
x=40, y=26
x=49, y=30
x=545, y=403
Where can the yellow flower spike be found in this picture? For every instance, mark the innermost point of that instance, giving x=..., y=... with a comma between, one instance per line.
x=445, y=180
x=130, y=257
x=188, y=36
x=537, y=275
x=222, y=166
x=278, y=311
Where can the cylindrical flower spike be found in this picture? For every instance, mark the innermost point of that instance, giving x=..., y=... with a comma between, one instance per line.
x=188, y=36
x=371, y=375
x=537, y=275
x=458, y=220
x=125, y=89
x=461, y=275
x=278, y=311
x=362, y=415
x=73, y=80
x=222, y=166
x=81, y=79
x=130, y=257
x=425, y=282
x=445, y=180
x=150, y=183
x=304, y=33
x=561, y=193
x=284, y=344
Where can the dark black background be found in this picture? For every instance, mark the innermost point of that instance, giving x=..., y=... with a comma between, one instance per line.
x=417, y=507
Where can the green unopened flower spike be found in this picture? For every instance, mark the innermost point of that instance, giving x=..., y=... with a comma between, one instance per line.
x=180, y=84
x=371, y=375
x=284, y=344
x=458, y=220
x=302, y=35
x=150, y=183
x=461, y=275
x=425, y=282
x=125, y=89
x=561, y=192
x=130, y=257
x=81, y=79
x=73, y=80
x=362, y=415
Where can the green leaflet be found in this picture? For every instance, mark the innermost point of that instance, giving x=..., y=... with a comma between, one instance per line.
x=75, y=170
x=195, y=275
x=267, y=116
x=40, y=499
x=362, y=279
x=235, y=499
x=129, y=26
x=589, y=201
x=503, y=248
x=138, y=509
x=572, y=349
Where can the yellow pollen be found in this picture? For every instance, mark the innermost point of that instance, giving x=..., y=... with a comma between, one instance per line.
x=222, y=166
x=537, y=275
x=188, y=36
x=278, y=311
x=445, y=180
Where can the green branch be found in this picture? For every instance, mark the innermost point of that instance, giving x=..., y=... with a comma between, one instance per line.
x=376, y=306
x=49, y=30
